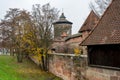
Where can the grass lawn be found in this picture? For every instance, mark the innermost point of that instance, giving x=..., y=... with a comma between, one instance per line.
x=11, y=70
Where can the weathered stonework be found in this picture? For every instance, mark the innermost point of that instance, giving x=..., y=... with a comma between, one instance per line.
x=59, y=29
x=71, y=67
x=102, y=74
x=68, y=67
x=62, y=26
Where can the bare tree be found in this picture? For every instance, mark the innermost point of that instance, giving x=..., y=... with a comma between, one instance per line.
x=99, y=6
x=43, y=17
x=12, y=28
x=9, y=27
x=4, y=37
x=23, y=20
x=25, y=31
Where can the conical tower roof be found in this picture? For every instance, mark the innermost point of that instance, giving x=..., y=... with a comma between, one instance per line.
x=62, y=16
x=62, y=19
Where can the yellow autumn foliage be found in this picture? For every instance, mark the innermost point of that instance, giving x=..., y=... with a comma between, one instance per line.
x=28, y=43
x=37, y=54
x=77, y=51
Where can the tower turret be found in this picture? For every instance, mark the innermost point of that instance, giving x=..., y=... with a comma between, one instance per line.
x=62, y=26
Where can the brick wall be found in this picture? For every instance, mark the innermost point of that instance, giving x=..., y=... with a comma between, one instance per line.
x=68, y=66
x=93, y=73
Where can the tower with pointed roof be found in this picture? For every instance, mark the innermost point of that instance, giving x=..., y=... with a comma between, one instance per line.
x=62, y=27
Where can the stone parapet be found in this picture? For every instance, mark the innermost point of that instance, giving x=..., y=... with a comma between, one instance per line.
x=93, y=73
x=68, y=66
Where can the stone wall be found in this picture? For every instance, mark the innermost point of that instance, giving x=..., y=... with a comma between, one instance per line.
x=71, y=67
x=68, y=66
x=102, y=74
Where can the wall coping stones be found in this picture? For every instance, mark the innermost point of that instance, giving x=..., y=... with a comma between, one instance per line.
x=63, y=54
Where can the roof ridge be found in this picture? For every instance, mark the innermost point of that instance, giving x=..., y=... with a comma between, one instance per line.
x=98, y=22
x=86, y=20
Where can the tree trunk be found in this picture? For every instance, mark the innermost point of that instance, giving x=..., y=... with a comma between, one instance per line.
x=46, y=62
x=43, y=62
x=11, y=52
x=19, y=57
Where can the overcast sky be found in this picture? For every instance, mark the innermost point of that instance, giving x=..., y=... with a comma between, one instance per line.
x=75, y=11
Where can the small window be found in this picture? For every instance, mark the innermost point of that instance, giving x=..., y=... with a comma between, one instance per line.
x=80, y=35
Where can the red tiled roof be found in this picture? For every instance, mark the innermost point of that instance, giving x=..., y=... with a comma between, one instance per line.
x=73, y=36
x=107, y=31
x=90, y=22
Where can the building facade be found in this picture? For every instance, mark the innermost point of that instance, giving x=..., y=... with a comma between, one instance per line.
x=103, y=45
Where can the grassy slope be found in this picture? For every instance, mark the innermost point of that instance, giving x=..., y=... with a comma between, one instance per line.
x=11, y=70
